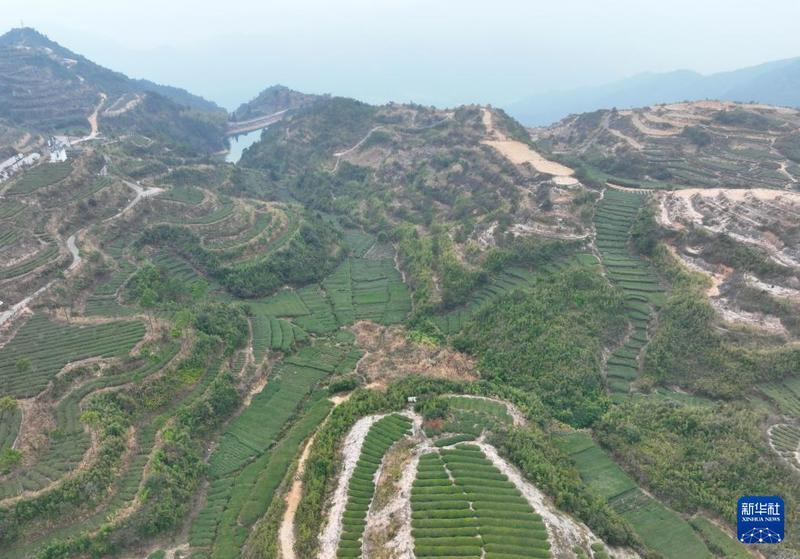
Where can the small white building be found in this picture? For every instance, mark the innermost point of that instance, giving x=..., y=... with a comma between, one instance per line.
x=58, y=156
x=58, y=148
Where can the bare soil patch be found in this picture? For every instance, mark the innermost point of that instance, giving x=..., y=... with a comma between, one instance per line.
x=520, y=153
x=390, y=355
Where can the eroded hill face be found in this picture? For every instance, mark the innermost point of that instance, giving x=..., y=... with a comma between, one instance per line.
x=702, y=144
x=748, y=242
x=724, y=183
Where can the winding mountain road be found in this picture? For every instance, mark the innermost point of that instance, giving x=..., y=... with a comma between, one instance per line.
x=72, y=246
x=141, y=193
x=73, y=249
x=94, y=129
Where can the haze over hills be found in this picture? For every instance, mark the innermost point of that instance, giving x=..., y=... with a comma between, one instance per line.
x=776, y=83
x=390, y=330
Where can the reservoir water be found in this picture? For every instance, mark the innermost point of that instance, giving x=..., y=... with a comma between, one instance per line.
x=240, y=143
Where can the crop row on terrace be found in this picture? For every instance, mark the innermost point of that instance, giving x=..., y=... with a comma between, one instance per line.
x=613, y=220
x=496, y=410
x=660, y=528
x=176, y=267
x=48, y=253
x=463, y=506
x=508, y=280
x=252, y=457
x=235, y=503
x=785, y=439
x=69, y=441
x=8, y=237
x=103, y=301
x=183, y=194
x=263, y=223
x=358, y=289
x=42, y=347
x=222, y=212
x=467, y=418
x=252, y=432
x=40, y=177
x=128, y=479
x=358, y=242
x=274, y=333
x=785, y=395
x=718, y=540
x=10, y=208
x=91, y=188
x=382, y=435
x=9, y=426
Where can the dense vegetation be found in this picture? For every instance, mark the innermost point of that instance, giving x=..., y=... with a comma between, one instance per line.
x=688, y=351
x=696, y=458
x=309, y=256
x=549, y=340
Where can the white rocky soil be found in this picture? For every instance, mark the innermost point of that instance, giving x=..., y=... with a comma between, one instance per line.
x=564, y=532
x=332, y=532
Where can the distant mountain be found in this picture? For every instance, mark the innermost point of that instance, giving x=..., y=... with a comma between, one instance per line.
x=775, y=83
x=273, y=99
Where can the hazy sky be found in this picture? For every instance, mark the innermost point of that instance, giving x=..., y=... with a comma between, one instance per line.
x=443, y=52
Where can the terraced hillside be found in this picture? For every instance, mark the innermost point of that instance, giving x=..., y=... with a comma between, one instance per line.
x=702, y=144
x=463, y=506
x=744, y=242
x=49, y=88
x=388, y=332
x=423, y=492
x=613, y=220
x=361, y=488
x=43, y=347
x=659, y=527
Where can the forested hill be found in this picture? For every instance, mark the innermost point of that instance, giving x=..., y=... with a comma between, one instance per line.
x=408, y=169
x=273, y=99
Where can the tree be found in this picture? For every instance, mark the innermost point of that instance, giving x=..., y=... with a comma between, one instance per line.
x=7, y=403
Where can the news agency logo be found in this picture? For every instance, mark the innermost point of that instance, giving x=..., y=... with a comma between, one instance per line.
x=760, y=519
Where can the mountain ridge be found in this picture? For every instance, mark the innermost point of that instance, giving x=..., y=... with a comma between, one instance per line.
x=775, y=83
x=28, y=51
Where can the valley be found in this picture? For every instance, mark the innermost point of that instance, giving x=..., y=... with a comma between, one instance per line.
x=316, y=327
